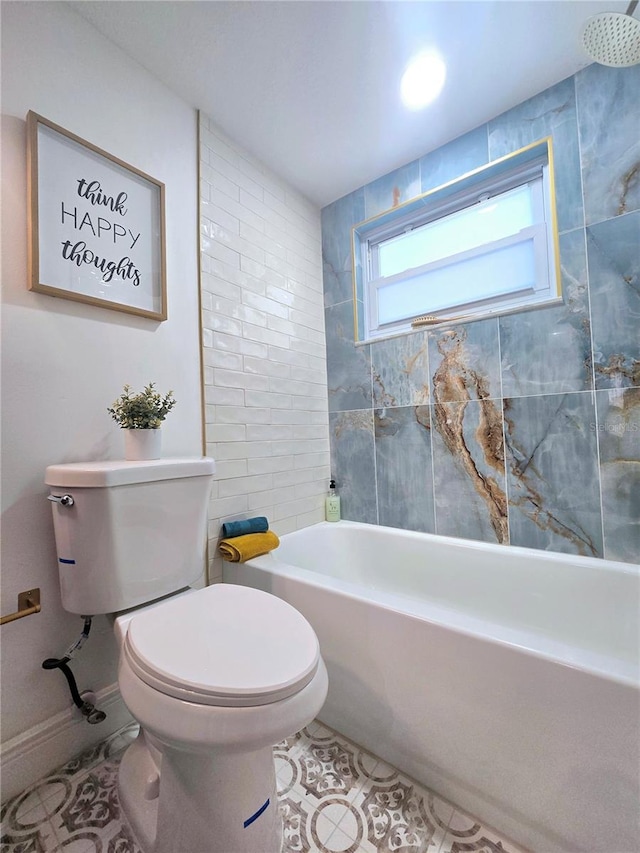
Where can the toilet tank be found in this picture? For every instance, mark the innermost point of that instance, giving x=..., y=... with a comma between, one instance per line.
x=134, y=532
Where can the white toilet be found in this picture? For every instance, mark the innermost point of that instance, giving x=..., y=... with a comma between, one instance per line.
x=214, y=676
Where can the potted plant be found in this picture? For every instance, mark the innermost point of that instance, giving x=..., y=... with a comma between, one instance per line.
x=141, y=415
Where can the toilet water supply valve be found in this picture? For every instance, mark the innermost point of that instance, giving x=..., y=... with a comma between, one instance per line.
x=87, y=709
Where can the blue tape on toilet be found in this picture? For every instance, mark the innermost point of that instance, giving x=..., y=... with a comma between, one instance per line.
x=71, y=562
x=255, y=816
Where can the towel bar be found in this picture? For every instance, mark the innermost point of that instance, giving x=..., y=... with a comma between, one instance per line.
x=28, y=604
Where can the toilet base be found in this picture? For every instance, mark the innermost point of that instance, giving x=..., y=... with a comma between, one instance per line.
x=138, y=775
x=218, y=803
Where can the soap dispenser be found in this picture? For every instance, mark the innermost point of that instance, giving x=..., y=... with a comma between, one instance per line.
x=332, y=503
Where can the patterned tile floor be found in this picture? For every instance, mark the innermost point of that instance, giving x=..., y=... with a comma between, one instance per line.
x=334, y=798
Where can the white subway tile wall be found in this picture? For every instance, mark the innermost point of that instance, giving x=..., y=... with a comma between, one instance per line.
x=265, y=375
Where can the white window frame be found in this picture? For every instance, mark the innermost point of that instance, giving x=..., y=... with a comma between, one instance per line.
x=545, y=290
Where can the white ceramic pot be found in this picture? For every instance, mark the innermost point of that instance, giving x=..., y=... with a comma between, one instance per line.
x=141, y=444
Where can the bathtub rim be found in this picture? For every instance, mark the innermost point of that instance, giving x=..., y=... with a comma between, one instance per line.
x=479, y=545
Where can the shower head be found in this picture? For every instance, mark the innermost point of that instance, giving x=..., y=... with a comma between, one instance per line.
x=613, y=39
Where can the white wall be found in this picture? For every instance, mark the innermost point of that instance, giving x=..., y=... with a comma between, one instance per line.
x=265, y=378
x=64, y=362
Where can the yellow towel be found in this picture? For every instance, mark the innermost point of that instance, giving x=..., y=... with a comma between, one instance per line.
x=243, y=548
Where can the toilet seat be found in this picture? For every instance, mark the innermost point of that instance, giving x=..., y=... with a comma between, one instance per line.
x=223, y=645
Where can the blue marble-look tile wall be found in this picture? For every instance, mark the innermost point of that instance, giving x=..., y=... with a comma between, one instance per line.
x=522, y=429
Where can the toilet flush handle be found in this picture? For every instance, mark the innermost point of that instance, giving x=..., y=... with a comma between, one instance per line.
x=63, y=500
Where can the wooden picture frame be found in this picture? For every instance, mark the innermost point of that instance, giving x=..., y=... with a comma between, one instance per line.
x=97, y=225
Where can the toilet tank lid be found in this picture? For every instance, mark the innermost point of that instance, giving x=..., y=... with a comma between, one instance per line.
x=121, y=473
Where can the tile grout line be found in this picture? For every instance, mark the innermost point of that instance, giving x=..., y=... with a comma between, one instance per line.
x=591, y=338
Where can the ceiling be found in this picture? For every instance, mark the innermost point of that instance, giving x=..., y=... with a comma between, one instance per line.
x=310, y=87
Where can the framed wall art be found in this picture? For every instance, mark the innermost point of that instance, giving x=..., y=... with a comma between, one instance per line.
x=97, y=226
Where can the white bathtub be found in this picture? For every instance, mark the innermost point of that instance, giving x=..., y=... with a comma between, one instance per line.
x=506, y=679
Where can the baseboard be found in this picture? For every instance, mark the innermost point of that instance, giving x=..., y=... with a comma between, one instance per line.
x=32, y=754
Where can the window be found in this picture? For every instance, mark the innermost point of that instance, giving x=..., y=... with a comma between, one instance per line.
x=483, y=244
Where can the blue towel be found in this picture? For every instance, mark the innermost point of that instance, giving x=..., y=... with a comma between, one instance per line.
x=246, y=525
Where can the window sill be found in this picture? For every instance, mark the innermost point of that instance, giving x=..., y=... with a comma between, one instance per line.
x=463, y=320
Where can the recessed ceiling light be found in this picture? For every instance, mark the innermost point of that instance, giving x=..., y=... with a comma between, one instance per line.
x=423, y=80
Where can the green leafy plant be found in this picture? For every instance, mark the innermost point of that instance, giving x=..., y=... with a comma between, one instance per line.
x=145, y=410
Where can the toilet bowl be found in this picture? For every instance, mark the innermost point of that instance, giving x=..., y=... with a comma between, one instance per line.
x=215, y=677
